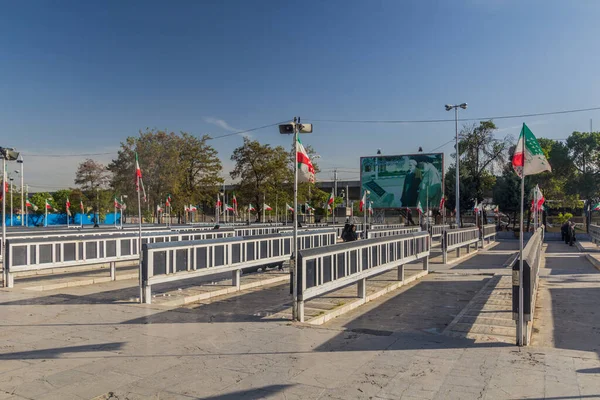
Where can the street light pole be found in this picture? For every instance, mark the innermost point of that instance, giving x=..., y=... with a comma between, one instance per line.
x=11, y=201
x=457, y=187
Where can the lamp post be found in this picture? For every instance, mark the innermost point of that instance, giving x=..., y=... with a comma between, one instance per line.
x=11, y=155
x=123, y=208
x=457, y=188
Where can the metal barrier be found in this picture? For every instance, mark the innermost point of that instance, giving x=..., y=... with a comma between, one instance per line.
x=392, y=232
x=437, y=231
x=595, y=233
x=257, y=230
x=168, y=262
x=458, y=238
x=322, y=270
x=388, y=226
x=532, y=255
x=488, y=231
x=33, y=254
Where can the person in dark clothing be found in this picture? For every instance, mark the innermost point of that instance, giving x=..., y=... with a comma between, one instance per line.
x=571, y=233
x=345, y=232
x=564, y=231
x=352, y=235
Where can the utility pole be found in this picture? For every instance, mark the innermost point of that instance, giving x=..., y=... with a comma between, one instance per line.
x=335, y=182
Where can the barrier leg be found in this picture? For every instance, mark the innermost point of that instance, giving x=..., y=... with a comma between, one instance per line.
x=469, y=247
x=301, y=310
x=10, y=280
x=426, y=264
x=113, y=271
x=147, y=294
x=401, y=272
x=458, y=252
x=444, y=256
x=362, y=288
x=236, y=278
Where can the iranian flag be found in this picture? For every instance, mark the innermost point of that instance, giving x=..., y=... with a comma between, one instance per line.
x=48, y=206
x=81, y=205
x=476, y=207
x=596, y=207
x=532, y=161
x=331, y=199
x=419, y=207
x=68, y=207
x=168, y=201
x=306, y=170
x=370, y=208
x=158, y=208
x=267, y=207
x=117, y=204
x=219, y=204
x=539, y=196
x=363, y=201
x=250, y=208
x=308, y=207
x=442, y=202
x=28, y=204
x=235, y=204
x=6, y=189
x=289, y=208
x=228, y=207
x=192, y=208
x=138, y=177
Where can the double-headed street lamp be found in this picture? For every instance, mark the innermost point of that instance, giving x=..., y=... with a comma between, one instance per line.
x=457, y=189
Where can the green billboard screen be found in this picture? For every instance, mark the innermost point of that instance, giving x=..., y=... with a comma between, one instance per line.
x=403, y=181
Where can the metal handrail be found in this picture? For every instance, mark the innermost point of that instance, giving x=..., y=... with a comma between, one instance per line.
x=438, y=230
x=324, y=269
x=392, y=232
x=168, y=262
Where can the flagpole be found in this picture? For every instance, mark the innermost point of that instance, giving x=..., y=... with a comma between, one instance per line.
x=46, y=213
x=365, y=214
x=26, y=208
x=521, y=300
x=140, y=240
x=67, y=212
x=263, y=208
x=4, y=269
x=115, y=211
x=121, y=211
x=295, y=244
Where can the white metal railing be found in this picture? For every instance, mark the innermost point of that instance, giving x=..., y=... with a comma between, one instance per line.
x=387, y=226
x=532, y=255
x=438, y=230
x=33, y=254
x=455, y=239
x=392, y=232
x=488, y=232
x=168, y=262
x=257, y=230
x=324, y=269
x=595, y=233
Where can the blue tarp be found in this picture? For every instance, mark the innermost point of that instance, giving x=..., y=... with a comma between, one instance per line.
x=61, y=219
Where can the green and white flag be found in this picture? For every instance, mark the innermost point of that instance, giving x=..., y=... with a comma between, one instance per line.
x=419, y=207
x=532, y=161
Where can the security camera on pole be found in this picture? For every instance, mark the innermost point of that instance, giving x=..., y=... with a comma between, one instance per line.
x=308, y=175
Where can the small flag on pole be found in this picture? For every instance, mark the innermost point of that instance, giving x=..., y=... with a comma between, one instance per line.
x=363, y=201
x=267, y=207
x=250, y=208
x=532, y=161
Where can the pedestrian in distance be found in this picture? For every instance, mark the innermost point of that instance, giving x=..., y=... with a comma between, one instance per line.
x=352, y=235
x=572, y=238
x=564, y=228
x=345, y=232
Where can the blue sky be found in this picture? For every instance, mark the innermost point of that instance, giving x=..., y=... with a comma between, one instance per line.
x=79, y=77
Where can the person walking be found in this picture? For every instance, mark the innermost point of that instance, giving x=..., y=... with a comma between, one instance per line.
x=352, y=235
x=571, y=233
x=345, y=232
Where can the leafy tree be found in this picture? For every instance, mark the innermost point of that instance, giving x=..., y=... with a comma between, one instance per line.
x=184, y=166
x=262, y=170
x=39, y=200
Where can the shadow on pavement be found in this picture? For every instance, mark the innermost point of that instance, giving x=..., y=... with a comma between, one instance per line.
x=251, y=394
x=57, y=352
x=483, y=261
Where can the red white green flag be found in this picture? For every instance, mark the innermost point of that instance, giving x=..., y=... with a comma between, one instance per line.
x=532, y=161
x=267, y=207
x=68, y=207
x=192, y=208
x=138, y=177
x=596, y=207
x=331, y=199
x=48, y=206
x=228, y=207
x=117, y=204
x=81, y=205
x=442, y=202
x=540, y=197
x=306, y=170
x=250, y=208
x=289, y=208
x=363, y=201
x=419, y=207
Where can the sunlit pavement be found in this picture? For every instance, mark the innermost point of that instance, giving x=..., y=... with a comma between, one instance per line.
x=79, y=343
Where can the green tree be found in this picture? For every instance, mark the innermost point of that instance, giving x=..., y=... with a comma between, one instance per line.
x=262, y=170
x=182, y=165
x=39, y=200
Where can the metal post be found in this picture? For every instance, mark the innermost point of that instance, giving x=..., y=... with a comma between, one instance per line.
x=20, y=161
x=26, y=209
x=11, y=202
x=365, y=215
x=4, y=270
x=457, y=188
x=521, y=316
x=295, y=311
x=140, y=245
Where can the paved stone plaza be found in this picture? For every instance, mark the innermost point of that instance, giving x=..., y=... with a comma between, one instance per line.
x=427, y=340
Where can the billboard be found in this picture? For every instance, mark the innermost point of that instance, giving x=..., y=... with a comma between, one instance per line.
x=403, y=181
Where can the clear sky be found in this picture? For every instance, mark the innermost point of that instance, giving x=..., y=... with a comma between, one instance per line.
x=78, y=77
